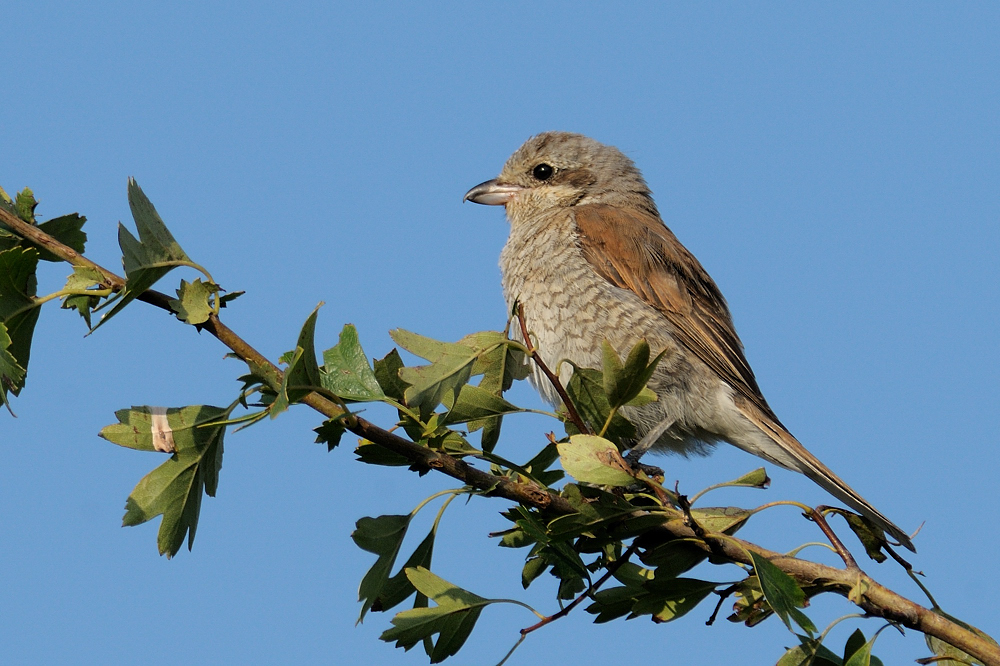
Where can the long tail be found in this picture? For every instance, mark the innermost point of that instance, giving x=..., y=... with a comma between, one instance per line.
x=789, y=453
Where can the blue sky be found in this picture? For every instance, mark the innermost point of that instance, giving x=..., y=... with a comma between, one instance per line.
x=834, y=168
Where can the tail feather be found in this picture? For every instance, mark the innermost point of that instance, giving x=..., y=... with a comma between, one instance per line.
x=790, y=453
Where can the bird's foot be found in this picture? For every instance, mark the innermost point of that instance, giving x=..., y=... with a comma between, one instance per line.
x=644, y=445
x=632, y=458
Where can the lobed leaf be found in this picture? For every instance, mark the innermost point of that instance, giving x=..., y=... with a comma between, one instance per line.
x=173, y=489
x=625, y=382
x=382, y=536
x=672, y=598
x=871, y=536
x=83, y=277
x=150, y=257
x=25, y=204
x=452, y=620
x=501, y=366
x=387, y=374
x=18, y=312
x=68, y=230
x=475, y=403
x=193, y=304
x=398, y=587
x=302, y=375
x=346, y=371
x=11, y=374
x=373, y=454
x=329, y=432
x=450, y=369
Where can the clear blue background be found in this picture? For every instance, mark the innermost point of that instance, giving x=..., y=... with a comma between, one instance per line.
x=835, y=169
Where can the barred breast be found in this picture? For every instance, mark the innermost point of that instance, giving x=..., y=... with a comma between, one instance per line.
x=569, y=310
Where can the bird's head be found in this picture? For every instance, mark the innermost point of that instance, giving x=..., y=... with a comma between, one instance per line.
x=561, y=169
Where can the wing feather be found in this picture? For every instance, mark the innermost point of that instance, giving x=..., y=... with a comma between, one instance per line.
x=634, y=250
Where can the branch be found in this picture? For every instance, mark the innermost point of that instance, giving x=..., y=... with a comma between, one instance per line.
x=876, y=600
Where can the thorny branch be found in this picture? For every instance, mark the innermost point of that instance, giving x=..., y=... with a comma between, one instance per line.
x=876, y=600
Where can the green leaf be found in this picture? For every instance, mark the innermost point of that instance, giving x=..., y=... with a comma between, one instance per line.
x=623, y=383
x=538, y=466
x=83, y=277
x=346, y=371
x=871, y=536
x=586, y=391
x=593, y=459
x=672, y=598
x=225, y=299
x=330, y=432
x=302, y=376
x=858, y=651
x=452, y=620
x=11, y=374
x=675, y=557
x=68, y=230
x=611, y=367
x=727, y=519
x=173, y=489
x=387, y=374
x=17, y=309
x=384, y=537
x=398, y=588
x=782, y=593
x=25, y=204
x=500, y=362
x=755, y=479
x=475, y=403
x=613, y=603
x=193, y=304
x=148, y=259
x=750, y=606
x=428, y=348
x=810, y=652
x=373, y=454
x=450, y=369
x=500, y=367
x=566, y=562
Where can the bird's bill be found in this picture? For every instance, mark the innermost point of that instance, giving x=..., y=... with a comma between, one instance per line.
x=492, y=193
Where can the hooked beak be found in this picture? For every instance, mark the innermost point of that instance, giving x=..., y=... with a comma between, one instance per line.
x=492, y=193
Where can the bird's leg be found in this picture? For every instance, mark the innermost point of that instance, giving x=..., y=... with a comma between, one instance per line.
x=644, y=445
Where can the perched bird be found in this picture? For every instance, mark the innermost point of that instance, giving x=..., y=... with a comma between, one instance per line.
x=589, y=259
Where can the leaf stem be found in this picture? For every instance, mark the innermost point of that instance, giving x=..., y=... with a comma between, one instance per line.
x=817, y=516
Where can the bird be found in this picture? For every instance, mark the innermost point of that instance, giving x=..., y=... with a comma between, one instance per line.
x=589, y=259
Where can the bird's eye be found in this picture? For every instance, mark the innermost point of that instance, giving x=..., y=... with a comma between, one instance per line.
x=542, y=172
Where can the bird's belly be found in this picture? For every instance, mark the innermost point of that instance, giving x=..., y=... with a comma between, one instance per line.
x=570, y=310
